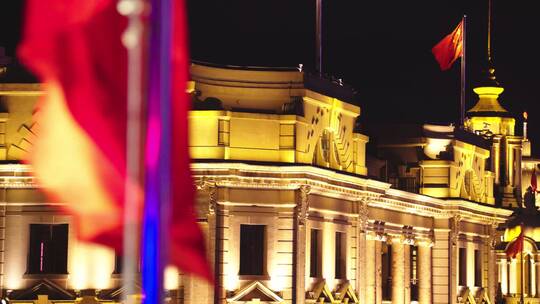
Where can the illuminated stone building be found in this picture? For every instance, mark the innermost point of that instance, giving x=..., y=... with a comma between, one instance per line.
x=293, y=207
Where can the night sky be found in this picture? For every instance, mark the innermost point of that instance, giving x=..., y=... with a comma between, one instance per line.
x=381, y=48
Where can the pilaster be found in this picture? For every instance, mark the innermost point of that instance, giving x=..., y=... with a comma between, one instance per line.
x=492, y=267
x=378, y=272
x=398, y=272
x=370, y=274
x=407, y=273
x=444, y=275
x=424, y=274
x=361, y=259
x=302, y=213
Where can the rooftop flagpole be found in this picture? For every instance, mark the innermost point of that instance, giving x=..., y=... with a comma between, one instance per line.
x=463, y=72
x=318, y=36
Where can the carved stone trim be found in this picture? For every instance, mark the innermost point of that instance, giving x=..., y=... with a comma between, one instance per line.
x=363, y=212
x=303, y=207
x=454, y=234
x=211, y=187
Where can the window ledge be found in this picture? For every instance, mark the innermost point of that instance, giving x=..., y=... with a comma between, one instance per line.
x=51, y=276
x=245, y=277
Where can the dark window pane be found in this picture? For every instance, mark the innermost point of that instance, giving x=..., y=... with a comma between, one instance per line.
x=462, y=266
x=252, y=249
x=386, y=260
x=48, y=249
x=477, y=268
x=315, y=254
x=340, y=256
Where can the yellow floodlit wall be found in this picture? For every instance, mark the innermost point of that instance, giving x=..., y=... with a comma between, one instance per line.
x=322, y=136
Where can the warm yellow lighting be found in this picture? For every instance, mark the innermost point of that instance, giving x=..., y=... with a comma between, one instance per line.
x=277, y=281
x=435, y=146
x=171, y=278
x=91, y=266
x=231, y=282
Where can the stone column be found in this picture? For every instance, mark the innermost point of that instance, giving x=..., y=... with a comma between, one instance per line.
x=378, y=272
x=503, y=276
x=398, y=272
x=370, y=273
x=302, y=213
x=196, y=289
x=407, y=272
x=361, y=260
x=2, y=246
x=537, y=277
x=444, y=265
x=491, y=263
x=533, y=278
x=514, y=276
x=424, y=275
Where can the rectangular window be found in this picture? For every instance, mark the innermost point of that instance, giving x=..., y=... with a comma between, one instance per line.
x=462, y=266
x=340, y=255
x=252, y=250
x=414, y=272
x=477, y=268
x=315, y=248
x=47, y=249
x=386, y=260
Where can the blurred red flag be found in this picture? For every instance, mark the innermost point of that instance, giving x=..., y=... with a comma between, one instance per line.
x=516, y=245
x=450, y=48
x=74, y=47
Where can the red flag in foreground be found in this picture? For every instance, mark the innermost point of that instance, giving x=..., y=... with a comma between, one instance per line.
x=516, y=245
x=74, y=47
x=534, y=185
x=450, y=48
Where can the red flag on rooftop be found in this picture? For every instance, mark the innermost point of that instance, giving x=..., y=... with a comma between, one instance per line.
x=516, y=245
x=450, y=48
x=74, y=47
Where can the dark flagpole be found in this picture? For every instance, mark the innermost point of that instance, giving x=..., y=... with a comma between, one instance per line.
x=158, y=148
x=522, y=272
x=463, y=71
x=318, y=36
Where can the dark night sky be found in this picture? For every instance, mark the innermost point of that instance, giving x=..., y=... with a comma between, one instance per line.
x=381, y=48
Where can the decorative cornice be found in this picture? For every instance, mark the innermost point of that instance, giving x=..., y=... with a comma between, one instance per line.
x=358, y=189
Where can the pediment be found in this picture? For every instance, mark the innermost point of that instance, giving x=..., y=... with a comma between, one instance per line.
x=255, y=291
x=345, y=291
x=321, y=290
x=43, y=287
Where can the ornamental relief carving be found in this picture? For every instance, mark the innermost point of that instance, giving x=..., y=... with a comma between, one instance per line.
x=454, y=234
x=302, y=210
x=363, y=213
x=211, y=188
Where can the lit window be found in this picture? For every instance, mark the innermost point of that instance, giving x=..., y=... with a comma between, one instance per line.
x=414, y=272
x=48, y=249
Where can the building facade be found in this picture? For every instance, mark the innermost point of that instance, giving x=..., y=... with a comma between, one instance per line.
x=294, y=208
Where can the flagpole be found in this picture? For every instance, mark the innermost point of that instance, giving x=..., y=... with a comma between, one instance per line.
x=463, y=72
x=522, y=299
x=132, y=39
x=158, y=152
x=318, y=36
